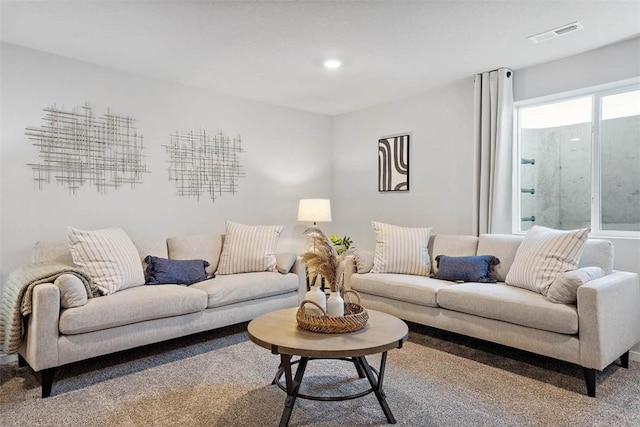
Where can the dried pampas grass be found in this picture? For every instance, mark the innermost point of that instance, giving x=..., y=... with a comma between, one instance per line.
x=323, y=259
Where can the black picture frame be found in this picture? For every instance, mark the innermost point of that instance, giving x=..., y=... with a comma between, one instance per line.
x=393, y=163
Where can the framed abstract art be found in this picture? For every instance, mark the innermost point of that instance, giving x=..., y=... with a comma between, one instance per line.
x=393, y=163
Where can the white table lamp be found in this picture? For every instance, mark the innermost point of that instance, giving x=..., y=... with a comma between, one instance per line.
x=314, y=210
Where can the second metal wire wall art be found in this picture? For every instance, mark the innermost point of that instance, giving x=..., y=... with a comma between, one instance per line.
x=201, y=163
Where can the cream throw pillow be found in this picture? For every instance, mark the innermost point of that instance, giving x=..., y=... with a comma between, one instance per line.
x=249, y=248
x=564, y=290
x=401, y=250
x=543, y=255
x=284, y=261
x=108, y=256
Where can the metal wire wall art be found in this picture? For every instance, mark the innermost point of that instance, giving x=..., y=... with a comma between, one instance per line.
x=76, y=148
x=201, y=163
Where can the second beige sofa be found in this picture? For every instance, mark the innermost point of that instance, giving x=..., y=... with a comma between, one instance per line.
x=600, y=328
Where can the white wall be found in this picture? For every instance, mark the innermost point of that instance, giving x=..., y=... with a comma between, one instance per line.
x=441, y=165
x=612, y=63
x=287, y=156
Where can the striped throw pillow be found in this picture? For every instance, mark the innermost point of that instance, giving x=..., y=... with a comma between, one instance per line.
x=249, y=248
x=401, y=250
x=543, y=255
x=108, y=256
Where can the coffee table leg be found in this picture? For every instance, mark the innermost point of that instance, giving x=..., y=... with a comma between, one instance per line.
x=377, y=385
x=359, y=368
x=278, y=374
x=293, y=385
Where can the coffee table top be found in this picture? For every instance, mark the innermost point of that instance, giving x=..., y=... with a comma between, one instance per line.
x=278, y=331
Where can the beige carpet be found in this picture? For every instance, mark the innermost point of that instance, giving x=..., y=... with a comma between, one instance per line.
x=220, y=378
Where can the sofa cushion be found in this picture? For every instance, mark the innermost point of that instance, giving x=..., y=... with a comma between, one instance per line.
x=401, y=249
x=108, y=256
x=52, y=251
x=510, y=304
x=197, y=246
x=503, y=247
x=155, y=246
x=59, y=251
x=419, y=290
x=452, y=245
x=132, y=305
x=466, y=268
x=234, y=288
x=544, y=254
x=163, y=271
x=249, y=248
x=364, y=261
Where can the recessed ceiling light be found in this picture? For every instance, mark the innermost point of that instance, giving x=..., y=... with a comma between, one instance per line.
x=332, y=64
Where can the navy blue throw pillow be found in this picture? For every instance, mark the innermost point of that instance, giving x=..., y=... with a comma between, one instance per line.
x=162, y=271
x=466, y=268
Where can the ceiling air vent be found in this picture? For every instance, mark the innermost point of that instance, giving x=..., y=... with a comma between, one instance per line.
x=556, y=32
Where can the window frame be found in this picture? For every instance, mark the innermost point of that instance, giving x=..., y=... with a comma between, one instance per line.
x=596, y=93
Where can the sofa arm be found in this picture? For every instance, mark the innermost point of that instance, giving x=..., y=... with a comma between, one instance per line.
x=40, y=342
x=300, y=269
x=608, y=317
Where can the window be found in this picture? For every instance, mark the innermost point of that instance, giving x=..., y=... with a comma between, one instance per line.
x=579, y=161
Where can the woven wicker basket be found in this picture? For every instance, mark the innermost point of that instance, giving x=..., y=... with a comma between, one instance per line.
x=355, y=317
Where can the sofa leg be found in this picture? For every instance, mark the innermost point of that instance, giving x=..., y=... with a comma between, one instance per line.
x=590, y=378
x=47, y=381
x=21, y=362
x=624, y=360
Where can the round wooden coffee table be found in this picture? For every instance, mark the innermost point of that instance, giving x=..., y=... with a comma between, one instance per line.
x=278, y=331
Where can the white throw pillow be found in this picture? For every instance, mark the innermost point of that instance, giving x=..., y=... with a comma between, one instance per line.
x=249, y=248
x=564, y=290
x=72, y=291
x=284, y=261
x=401, y=250
x=543, y=255
x=108, y=256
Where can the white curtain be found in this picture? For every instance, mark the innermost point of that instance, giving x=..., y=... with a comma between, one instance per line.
x=493, y=128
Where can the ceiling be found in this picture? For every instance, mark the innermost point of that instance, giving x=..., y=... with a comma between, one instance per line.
x=272, y=51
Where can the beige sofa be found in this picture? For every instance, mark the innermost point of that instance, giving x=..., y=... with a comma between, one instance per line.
x=600, y=328
x=147, y=314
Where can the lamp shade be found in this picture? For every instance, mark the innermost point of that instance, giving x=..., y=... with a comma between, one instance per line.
x=314, y=210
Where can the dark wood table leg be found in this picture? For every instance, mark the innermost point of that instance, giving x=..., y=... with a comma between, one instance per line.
x=377, y=385
x=293, y=385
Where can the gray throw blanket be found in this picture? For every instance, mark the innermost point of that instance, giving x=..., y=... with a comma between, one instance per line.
x=16, y=301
